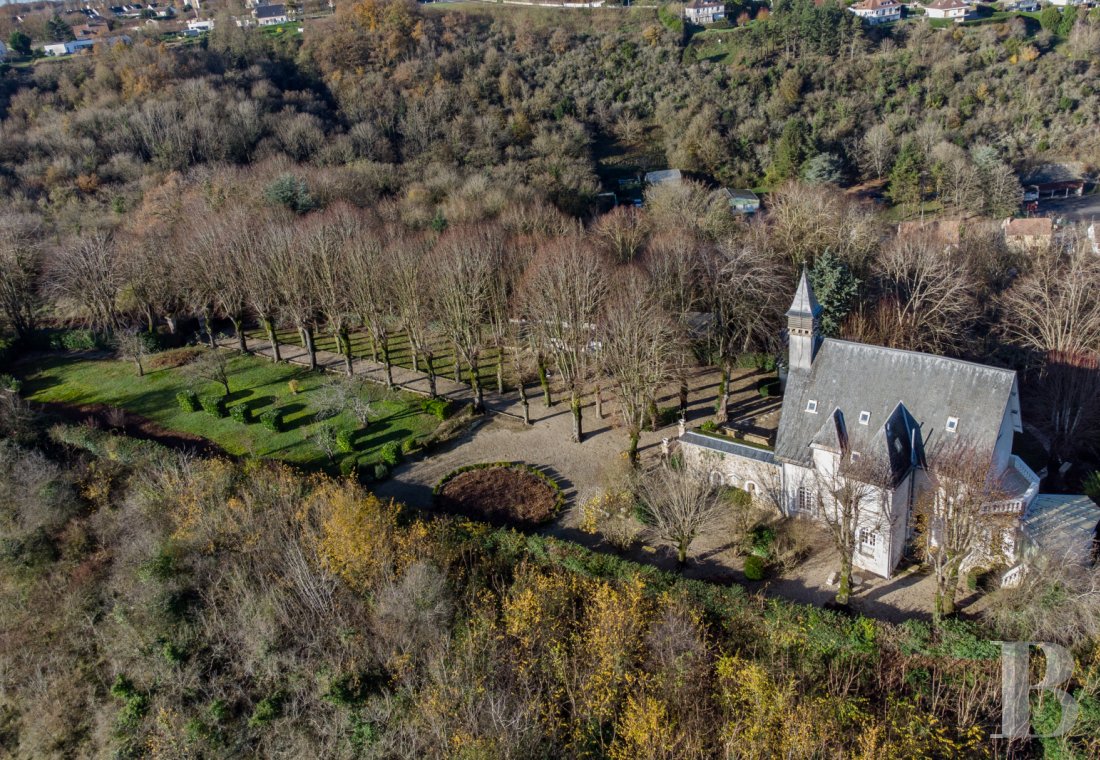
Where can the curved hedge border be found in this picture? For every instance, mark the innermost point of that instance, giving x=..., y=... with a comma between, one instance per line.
x=559, y=495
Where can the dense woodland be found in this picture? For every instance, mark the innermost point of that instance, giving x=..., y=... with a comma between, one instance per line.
x=434, y=174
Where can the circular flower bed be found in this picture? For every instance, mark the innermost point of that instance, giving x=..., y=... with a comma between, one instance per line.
x=503, y=493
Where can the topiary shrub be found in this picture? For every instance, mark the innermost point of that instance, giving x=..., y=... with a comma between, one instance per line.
x=408, y=446
x=272, y=419
x=348, y=467
x=754, y=568
x=188, y=401
x=390, y=454
x=710, y=426
x=438, y=407
x=344, y=443
x=214, y=405
x=381, y=471
x=241, y=413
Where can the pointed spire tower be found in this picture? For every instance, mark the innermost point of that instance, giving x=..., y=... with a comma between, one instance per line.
x=803, y=326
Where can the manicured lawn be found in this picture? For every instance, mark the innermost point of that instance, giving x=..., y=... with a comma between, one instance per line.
x=400, y=353
x=76, y=380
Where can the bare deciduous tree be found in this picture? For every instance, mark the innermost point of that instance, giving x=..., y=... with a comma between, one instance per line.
x=216, y=250
x=621, y=233
x=213, y=366
x=259, y=275
x=293, y=269
x=638, y=350
x=463, y=292
x=876, y=151
x=83, y=278
x=681, y=504
x=747, y=292
x=1064, y=395
x=330, y=238
x=563, y=292
x=20, y=264
x=1054, y=307
x=962, y=516
x=410, y=273
x=370, y=291
x=131, y=344
x=927, y=295
x=851, y=497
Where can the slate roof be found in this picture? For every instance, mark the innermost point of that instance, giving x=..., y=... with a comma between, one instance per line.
x=805, y=302
x=1062, y=526
x=727, y=446
x=909, y=396
x=269, y=11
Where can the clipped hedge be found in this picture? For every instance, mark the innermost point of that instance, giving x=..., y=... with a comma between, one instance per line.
x=559, y=495
x=344, y=442
x=188, y=401
x=438, y=407
x=214, y=405
x=390, y=454
x=241, y=413
x=272, y=419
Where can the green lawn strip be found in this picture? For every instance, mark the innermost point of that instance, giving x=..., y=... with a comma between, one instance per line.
x=400, y=353
x=261, y=384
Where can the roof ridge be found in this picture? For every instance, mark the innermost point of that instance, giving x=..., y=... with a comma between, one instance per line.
x=924, y=354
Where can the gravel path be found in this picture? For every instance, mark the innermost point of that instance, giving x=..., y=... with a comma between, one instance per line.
x=584, y=469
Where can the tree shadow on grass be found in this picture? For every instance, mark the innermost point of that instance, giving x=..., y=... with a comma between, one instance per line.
x=238, y=395
x=299, y=422
x=36, y=385
x=397, y=434
x=261, y=401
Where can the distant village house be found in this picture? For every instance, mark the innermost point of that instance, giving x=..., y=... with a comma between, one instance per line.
x=1028, y=235
x=704, y=11
x=270, y=15
x=877, y=11
x=952, y=10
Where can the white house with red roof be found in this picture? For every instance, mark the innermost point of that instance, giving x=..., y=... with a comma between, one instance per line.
x=877, y=11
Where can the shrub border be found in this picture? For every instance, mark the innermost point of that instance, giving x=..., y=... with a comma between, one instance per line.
x=559, y=495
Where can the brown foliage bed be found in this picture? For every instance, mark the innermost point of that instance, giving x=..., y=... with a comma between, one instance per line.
x=500, y=495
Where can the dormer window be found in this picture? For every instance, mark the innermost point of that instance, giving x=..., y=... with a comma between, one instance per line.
x=952, y=424
x=864, y=418
x=811, y=406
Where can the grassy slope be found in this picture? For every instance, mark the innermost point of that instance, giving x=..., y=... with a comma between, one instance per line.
x=75, y=380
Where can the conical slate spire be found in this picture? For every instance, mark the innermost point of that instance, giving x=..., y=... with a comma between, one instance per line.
x=804, y=303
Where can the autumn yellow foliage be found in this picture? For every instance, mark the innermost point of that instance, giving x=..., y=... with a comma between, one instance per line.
x=358, y=533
